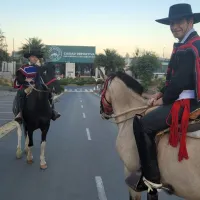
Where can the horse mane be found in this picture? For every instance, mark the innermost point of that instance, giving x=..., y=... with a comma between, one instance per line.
x=129, y=81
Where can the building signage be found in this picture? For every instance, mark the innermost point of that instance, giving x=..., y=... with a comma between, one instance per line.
x=71, y=54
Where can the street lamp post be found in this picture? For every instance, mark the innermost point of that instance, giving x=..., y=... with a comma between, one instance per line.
x=163, y=52
x=13, y=57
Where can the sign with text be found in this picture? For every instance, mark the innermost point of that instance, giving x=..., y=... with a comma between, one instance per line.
x=71, y=54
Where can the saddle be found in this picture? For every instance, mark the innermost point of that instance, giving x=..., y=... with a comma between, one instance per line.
x=193, y=126
x=28, y=90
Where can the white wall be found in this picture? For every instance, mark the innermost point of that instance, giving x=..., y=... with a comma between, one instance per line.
x=70, y=70
x=8, y=67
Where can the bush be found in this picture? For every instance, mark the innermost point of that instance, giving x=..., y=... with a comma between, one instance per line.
x=89, y=80
x=161, y=83
x=62, y=88
x=5, y=82
x=77, y=81
x=100, y=81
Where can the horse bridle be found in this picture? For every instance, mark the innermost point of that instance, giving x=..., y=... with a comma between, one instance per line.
x=37, y=90
x=106, y=109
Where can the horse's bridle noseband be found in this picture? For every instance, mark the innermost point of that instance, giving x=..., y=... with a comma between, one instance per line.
x=106, y=107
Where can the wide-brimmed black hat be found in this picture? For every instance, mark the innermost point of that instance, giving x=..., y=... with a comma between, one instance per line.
x=179, y=11
x=38, y=54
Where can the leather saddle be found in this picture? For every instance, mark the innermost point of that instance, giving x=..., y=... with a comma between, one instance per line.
x=194, y=121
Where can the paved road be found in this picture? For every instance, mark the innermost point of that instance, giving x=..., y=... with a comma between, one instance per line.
x=80, y=155
x=6, y=100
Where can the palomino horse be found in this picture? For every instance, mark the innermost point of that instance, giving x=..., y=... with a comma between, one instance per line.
x=122, y=98
x=37, y=114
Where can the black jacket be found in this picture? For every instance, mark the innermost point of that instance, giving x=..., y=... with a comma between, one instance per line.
x=180, y=74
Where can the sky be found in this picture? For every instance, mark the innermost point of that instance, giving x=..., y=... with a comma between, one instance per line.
x=123, y=25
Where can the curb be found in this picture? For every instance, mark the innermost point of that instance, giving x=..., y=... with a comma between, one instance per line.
x=10, y=126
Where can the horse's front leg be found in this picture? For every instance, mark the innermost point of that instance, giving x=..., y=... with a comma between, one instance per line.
x=29, y=138
x=43, y=164
x=26, y=143
x=19, y=141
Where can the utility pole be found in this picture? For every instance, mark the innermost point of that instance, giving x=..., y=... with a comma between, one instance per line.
x=13, y=56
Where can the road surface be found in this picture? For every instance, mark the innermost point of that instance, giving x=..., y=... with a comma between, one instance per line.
x=82, y=160
x=6, y=101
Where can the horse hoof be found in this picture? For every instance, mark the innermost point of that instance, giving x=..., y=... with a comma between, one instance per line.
x=43, y=166
x=30, y=161
x=19, y=153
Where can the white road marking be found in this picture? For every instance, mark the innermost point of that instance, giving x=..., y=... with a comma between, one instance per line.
x=81, y=106
x=79, y=90
x=84, y=115
x=7, y=128
x=88, y=133
x=81, y=101
x=100, y=188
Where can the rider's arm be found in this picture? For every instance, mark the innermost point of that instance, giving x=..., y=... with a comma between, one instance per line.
x=182, y=78
x=20, y=77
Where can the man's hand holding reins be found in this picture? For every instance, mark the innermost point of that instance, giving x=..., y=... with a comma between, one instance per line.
x=155, y=100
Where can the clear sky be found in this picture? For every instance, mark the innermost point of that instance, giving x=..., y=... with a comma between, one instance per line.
x=119, y=24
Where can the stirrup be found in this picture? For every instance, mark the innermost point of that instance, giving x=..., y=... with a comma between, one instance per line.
x=151, y=185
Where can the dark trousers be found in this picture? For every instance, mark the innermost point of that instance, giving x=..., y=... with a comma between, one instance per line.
x=20, y=100
x=145, y=130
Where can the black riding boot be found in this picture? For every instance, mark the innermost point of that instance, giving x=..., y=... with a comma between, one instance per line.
x=148, y=155
x=20, y=104
x=55, y=114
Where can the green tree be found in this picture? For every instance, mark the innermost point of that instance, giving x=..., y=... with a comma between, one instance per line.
x=35, y=44
x=4, y=56
x=144, y=64
x=110, y=60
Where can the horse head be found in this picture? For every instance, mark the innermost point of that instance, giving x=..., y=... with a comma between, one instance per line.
x=50, y=78
x=121, y=93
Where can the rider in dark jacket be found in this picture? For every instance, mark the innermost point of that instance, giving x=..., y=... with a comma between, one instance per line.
x=25, y=76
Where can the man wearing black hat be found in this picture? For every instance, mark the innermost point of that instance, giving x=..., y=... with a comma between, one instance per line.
x=25, y=76
x=182, y=90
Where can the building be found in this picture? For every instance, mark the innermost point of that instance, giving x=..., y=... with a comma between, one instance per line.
x=71, y=61
x=160, y=72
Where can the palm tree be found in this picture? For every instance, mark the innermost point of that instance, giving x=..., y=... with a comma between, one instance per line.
x=33, y=44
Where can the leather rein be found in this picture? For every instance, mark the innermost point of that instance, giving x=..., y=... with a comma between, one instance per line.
x=52, y=80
